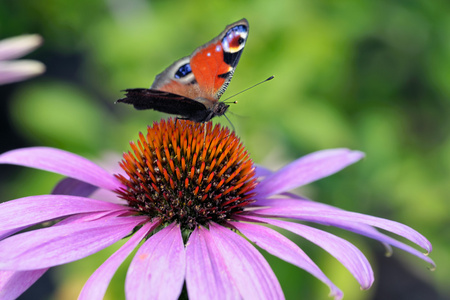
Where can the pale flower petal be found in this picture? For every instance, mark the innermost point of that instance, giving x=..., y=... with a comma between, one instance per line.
x=32, y=210
x=97, y=284
x=14, y=283
x=13, y=71
x=158, y=269
x=350, y=256
x=57, y=245
x=249, y=270
x=74, y=187
x=324, y=214
x=280, y=246
x=18, y=46
x=207, y=276
x=307, y=169
x=61, y=162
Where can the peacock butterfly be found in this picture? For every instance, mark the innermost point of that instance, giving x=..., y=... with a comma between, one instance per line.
x=191, y=87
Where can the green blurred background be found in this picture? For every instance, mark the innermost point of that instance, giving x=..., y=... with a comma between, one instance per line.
x=367, y=75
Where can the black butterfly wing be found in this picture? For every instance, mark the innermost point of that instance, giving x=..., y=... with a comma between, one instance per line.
x=164, y=102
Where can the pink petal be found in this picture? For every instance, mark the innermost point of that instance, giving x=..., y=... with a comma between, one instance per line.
x=97, y=284
x=14, y=283
x=249, y=270
x=13, y=71
x=18, y=46
x=37, y=209
x=61, y=162
x=207, y=276
x=342, y=250
x=89, y=217
x=73, y=187
x=57, y=245
x=328, y=215
x=261, y=171
x=157, y=271
x=307, y=169
x=278, y=245
x=364, y=227
x=107, y=196
x=6, y=233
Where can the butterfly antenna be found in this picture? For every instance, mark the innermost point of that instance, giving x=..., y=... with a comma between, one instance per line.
x=232, y=126
x=270, y=78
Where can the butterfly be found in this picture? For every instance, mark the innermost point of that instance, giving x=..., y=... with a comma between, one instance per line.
x=192, y=86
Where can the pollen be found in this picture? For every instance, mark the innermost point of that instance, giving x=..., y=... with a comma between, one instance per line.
x=187, y=172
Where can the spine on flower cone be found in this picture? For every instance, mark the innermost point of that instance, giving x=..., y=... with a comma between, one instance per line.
x=184, y=168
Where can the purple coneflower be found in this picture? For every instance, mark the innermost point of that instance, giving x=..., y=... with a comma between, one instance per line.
x=191, y=194
x=15, y=47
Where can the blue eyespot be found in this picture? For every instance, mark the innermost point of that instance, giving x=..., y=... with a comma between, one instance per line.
x=183, y=71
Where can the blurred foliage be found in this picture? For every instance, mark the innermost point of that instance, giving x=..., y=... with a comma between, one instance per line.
x=368, y=75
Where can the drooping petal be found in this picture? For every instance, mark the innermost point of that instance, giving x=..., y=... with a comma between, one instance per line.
x=261, y=171
x=157, y=271
x=73, y=187
x=14, y=283
x=97, y=284
x=107, y=196
x=78, y=218
x=57, y=245
x=61, y=162
x=13, y=71
x=6, y=233
x=18, y=46
x=307, y=169
x=207, y=276
x=324, y=214
x=32, y=210
x=250, y=271
x=89, y=217
x=350, y=256
x=280, y=246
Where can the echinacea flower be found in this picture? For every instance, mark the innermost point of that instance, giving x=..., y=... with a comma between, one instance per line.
x=190, y=193
x=15, y=47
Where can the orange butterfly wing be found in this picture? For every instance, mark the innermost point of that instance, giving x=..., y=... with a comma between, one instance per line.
x=192, y=85
x=214, y=63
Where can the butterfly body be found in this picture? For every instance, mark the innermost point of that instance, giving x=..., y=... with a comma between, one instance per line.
x=192, y=86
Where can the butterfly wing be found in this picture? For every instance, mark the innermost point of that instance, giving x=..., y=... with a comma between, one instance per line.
x=162, y=101
x=214, y=63
x=192, y=86
x=206, y=73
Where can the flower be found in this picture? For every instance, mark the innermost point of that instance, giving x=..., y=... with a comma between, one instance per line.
x=187, y=191
x=17, y=70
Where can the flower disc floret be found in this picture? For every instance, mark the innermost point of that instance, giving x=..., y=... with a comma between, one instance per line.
x=188, y=172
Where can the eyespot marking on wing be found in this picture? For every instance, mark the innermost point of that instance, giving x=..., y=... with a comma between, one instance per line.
x=235, y=38
x=183, y=71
